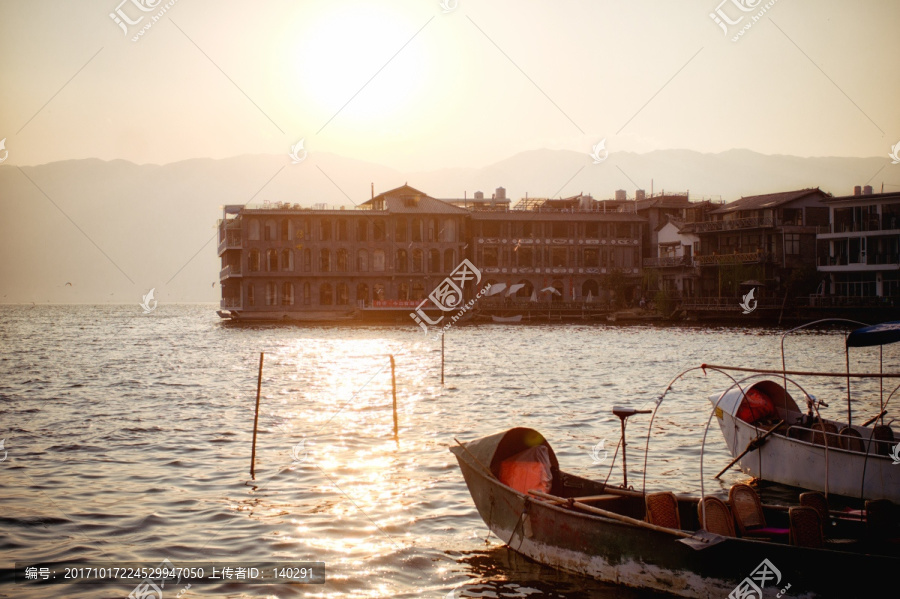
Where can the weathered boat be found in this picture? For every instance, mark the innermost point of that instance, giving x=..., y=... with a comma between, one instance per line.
x=611, y=540
x=516, y=318
x=772, y=439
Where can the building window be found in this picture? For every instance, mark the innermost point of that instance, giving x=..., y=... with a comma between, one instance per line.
x=342, y=230
x=558, y=257
x=307, y=260
x=378, y=260
x=560, y=230
x=253, y=260
x=306, y=294
x=271, y=230
x=271, y=294
x=400, y=230
x=448, y=232
x=416, y=229
x=362, y=261
x=325, y=295
x=434, y=261
x=418, y=261
x=490, y=257
x=378, y=230
x=271, y=260
x=524, y=256
x=343, y=294
x=254, y=230
x=378, y=292
x=343, y=260
x=403, y=292
x=449, y=260
x=325, y=260
x=402, y=261
x=362, y=230
x=325, y=230
x=251, y=296
x=418, y=291
x=362, y=293
x=287, y=294
x=287, y=260
x=432, y=228
x=792, y=244
x=592, y=259
x=285, y=230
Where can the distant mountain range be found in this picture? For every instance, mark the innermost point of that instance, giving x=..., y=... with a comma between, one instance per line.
x=151, y=226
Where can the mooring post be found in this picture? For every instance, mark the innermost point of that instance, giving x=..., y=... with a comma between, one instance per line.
x=256, y=417
x=394, y=391
x=442, y=358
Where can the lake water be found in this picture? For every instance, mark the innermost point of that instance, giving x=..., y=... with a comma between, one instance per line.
x=128, y=438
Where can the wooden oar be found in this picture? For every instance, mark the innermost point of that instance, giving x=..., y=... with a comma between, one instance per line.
x=874, y=418
x=753, y=444
x=585, y=498
x=608, y=514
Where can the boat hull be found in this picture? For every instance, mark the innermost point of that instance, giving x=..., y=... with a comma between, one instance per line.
x=799, y=463
x=617, y=552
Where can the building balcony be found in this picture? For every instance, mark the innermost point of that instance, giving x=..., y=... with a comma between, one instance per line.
x=230, y=303
x=859, y=262
x=232, y=270
x=717, y=259
x=668, y=261
x=728, y=225
x=232, y=241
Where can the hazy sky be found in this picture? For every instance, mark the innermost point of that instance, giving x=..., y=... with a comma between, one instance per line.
x=404, y=84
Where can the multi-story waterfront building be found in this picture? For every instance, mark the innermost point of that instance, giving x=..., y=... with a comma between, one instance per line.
x=283, y=261
x=860, y=252
x=572, y=245
x=760, y=238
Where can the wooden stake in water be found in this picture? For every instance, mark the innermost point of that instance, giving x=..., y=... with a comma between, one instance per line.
x=442, y=359
x=394, y=391
x=256, y=417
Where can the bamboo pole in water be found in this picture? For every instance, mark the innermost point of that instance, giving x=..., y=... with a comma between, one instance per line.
x=256, y=417
x=394, y=391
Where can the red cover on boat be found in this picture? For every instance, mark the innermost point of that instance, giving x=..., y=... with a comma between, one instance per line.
x=756, y=406
x=529, y=469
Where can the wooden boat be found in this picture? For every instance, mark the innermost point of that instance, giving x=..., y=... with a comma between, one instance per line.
x=772, y=439
x=516, y=318
x=590, y=528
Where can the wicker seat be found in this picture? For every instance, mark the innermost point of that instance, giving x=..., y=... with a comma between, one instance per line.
x=822, y=433
x=851, y=440
x=818, y=502
x=884, y=434
x=806, y=527
x=748, y=513
x=718, y=518
x=662, y=510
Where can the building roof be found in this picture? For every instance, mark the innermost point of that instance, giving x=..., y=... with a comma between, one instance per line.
x=677, y=222
x=664, y=201
x=409, y=200
x=856, y=199
x=540, y=215
x=769, y=200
